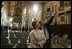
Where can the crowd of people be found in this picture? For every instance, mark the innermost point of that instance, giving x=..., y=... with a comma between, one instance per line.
x=39, y=35
x=5, y=28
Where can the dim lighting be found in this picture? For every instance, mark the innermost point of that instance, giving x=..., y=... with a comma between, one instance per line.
x=35, y=8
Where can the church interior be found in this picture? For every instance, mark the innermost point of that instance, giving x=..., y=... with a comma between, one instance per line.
x=18, y=14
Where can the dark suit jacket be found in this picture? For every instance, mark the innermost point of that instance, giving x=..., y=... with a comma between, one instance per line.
x=47, y=26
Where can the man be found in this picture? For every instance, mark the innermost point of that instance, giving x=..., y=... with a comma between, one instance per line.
x=45, y=28
x=23, y=28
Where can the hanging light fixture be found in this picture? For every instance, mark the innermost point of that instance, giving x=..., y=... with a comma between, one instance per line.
x=35, y=8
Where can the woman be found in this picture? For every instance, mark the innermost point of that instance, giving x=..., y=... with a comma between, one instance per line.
x=37, y=37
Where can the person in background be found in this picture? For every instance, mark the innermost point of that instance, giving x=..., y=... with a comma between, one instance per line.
x=45, y=27
x=37, y=37
x=26, y=29
x=23, y=28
